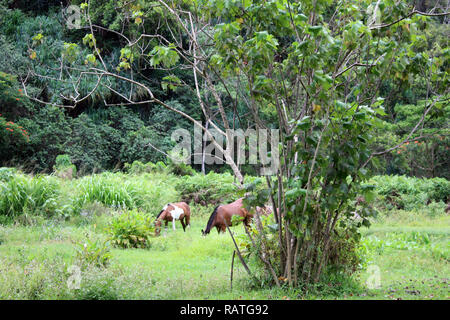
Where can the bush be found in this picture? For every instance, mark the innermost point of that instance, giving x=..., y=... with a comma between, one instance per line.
x=137, y=167
x=212, y=188
x=177, y=167
x=64, y=167
x=408, y=193
x=131, y=229
x=181, y=169
x=345, y=254
x=7, y=173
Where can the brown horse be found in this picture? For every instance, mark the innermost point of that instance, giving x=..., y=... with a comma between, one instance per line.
x=171, y=212
x=221, y=216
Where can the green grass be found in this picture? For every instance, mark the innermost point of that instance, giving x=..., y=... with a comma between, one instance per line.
x=411, y=250
x=185, y=265
x=180, y=265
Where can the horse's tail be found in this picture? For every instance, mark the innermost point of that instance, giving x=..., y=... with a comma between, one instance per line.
x=211, y=220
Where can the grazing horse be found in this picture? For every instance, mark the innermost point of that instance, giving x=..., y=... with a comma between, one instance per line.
x=171, y=212
x=221, y=216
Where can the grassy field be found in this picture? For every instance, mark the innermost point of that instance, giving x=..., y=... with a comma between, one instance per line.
x=413, y=262
x=406, y=252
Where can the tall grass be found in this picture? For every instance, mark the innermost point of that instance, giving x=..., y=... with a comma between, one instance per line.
x=108, y=190
x=20, y=194
x=146, y=192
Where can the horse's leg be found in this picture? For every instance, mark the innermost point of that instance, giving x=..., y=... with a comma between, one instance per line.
x=173, y=224
x=165, y=228
x=187, y=219
x=182, y=223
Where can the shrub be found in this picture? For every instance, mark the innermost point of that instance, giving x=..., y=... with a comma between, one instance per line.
x=407, y=193
x=62, y=161
x=137, y=167
x=269, y=241
x=160, y=166
x=131, y=229
x=64, y=167
x=440, y=190
x=212, y=188
x=177, y=167
x=345, y=254
x=181, y=169
x=7, y=173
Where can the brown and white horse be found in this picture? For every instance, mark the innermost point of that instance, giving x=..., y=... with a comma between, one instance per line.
x=221, y=216
x=172, y=212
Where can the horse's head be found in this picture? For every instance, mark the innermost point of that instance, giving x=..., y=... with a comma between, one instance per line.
x=211, y=222
x=158, y=224
x=161, y=216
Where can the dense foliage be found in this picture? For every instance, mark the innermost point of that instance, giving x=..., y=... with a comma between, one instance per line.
x=33, y=135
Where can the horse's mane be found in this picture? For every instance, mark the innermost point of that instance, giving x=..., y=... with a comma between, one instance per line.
x=162, y=210
x=211, y=219
x=159, y=213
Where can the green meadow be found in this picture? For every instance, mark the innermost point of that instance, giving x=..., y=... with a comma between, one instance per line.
x=405, y=252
